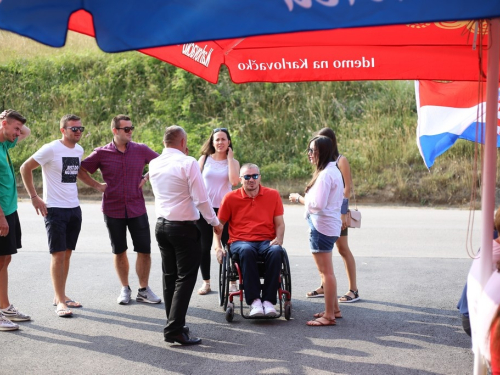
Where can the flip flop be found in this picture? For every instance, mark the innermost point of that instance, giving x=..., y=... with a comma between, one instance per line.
x=319, y=323
x=314, y=294
x=338, y=314
x=70, y=303
x=64, y=313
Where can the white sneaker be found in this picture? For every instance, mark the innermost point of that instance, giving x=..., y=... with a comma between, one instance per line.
x=124, y=296
x=6, y=324
x=256, y=308
x=147, y=296
x=269, y=309
x=14, y=315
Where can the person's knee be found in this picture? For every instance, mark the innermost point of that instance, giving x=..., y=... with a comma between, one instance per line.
x=5, y=261
x=276, y=251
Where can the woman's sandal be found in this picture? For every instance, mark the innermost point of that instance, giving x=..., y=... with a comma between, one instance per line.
x=205, y=289
x=318, y=293
x=338, y=314
x=321, y=322
x=346, y=298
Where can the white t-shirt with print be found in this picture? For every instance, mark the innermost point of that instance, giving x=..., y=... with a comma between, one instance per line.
x=60, y=165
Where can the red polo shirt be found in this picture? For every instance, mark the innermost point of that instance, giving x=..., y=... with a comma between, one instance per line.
x=251, y=219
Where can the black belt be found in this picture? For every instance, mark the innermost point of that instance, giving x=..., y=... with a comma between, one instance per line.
x=170, y=222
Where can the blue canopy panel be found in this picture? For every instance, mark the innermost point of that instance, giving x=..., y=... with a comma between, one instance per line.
x=123, y=25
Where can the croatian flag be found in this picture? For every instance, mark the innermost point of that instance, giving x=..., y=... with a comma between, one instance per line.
x=446, y=112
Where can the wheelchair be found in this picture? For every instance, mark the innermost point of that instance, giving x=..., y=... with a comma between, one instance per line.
x=229, y=270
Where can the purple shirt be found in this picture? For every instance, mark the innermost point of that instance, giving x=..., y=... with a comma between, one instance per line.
x=122, y=171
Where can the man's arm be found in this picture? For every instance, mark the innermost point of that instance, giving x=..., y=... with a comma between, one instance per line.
x=219, y=249
x=279, y=225
x=27, y=175
x=85, y=177
x=25, y=132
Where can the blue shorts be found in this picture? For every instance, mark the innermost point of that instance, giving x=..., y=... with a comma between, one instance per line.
x=63, y=228
x=318, y=242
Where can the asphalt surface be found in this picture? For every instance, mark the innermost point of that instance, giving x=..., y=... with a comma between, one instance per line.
x=412, y=264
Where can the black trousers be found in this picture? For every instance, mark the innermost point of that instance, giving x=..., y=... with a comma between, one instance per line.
x=180, y=249
x=207, y=236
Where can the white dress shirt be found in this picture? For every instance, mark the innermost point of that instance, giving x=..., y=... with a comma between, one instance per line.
x=324, y=199
x=180, y=194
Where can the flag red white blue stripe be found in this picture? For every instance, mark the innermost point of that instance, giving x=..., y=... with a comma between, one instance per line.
x=447, y=112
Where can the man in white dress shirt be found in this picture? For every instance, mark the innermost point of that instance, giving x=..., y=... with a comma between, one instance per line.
x=180, y=196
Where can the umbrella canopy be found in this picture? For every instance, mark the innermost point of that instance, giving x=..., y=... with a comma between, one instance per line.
x=438, y=50
x=122, y=25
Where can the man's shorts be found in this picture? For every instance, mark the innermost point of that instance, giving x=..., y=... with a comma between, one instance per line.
x=63, y=227
x=12, y=242
x=139, y=231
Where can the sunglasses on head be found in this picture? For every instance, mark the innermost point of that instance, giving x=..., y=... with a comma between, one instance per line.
x=249, y=176
x=126, y=129
x=220, y=130
x=74, y=129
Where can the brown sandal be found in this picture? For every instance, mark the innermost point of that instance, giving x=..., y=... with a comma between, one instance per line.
x=338, y=314
x=321, y=323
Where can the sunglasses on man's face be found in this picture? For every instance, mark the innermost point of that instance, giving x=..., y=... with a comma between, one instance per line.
x=74, y=129
x=126, y=129
x=249, y=176
x=220, y=130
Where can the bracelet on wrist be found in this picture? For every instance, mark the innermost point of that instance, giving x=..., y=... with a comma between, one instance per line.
x=34, y=196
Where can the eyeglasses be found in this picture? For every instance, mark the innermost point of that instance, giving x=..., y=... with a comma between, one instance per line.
x=220, y=130
x=126, y=129
x=311, y=150
x=249, y=176
x=74, y=129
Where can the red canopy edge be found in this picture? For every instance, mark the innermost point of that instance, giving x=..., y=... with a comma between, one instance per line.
x=429, y=51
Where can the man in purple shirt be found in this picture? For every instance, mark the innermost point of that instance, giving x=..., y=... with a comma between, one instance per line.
x=122, y=164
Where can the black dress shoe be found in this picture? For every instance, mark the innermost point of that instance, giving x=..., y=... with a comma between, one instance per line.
x=185, y=329
x=183, y=339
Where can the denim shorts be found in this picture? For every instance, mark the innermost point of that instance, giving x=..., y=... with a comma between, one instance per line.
x=318, y=242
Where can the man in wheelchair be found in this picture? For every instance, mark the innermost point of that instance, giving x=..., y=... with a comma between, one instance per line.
x=256, y=230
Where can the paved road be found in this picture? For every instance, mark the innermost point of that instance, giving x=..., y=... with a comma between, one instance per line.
x=412, y=265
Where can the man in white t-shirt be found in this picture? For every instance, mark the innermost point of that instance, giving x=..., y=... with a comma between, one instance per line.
x=60, y=161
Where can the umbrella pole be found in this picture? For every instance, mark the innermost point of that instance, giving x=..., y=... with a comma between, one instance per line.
x=489, y=168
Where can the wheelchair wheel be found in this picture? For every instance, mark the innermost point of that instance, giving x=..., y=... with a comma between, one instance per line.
x=222, y=281
x=227, y=266
x=288, y=310
x=230, y=312
x=286, y=279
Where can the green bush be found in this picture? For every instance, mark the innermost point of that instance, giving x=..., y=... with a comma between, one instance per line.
x=270, y=123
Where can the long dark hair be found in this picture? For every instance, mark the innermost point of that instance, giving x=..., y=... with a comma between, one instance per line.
x=323, y=146
x=327, y=132
x=208, y=147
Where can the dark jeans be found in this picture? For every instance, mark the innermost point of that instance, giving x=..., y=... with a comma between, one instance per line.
x=249, y=253
x=207, y=236
x=180, y=253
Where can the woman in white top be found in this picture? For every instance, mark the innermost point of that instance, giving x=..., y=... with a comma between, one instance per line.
x=220, y=172
x=324, y=201
x=342, y=243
